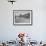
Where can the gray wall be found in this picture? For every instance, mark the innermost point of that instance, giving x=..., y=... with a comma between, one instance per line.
x=38, y=30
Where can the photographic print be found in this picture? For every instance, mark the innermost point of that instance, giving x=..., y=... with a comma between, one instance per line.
x=22, y=17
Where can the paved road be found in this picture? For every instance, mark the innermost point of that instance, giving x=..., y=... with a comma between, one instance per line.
x=22, y=20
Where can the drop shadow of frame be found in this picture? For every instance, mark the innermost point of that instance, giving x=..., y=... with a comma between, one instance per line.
x=23, y=24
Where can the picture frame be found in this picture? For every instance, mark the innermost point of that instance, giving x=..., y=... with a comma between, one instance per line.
x=22, y=17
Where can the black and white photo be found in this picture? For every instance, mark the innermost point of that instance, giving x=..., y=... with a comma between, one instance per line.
x=22, y=16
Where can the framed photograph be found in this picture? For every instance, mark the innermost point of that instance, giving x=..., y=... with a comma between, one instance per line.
x=22, y=17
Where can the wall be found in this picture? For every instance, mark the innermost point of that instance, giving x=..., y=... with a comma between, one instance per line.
x=38, y=30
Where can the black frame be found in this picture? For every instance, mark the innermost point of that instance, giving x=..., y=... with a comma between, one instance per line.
x=24, y=24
